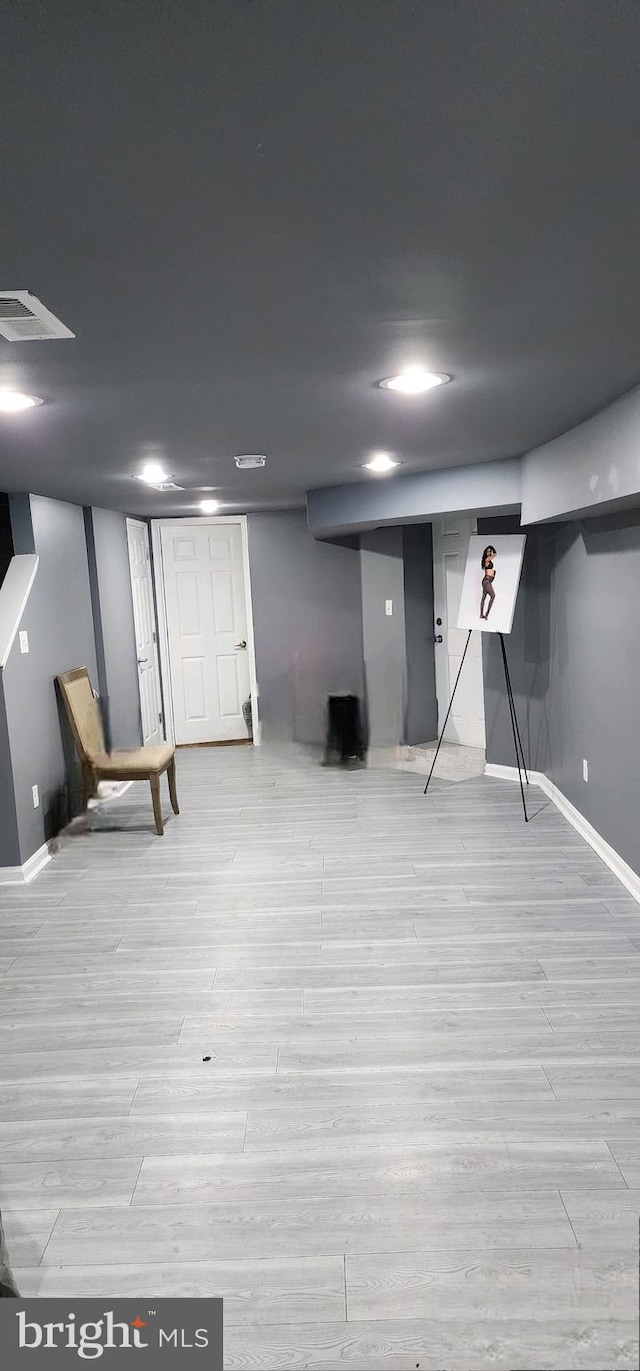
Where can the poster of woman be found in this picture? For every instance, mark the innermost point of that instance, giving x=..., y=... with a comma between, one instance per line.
x=491, y=580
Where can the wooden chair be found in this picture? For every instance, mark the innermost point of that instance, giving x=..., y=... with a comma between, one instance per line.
x=141, y=764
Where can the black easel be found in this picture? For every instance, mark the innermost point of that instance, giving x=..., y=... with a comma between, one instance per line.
x=517, y=740
x=453, y=693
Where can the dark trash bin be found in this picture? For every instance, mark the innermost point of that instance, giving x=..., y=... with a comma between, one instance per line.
x=346, y=744
x=247, y=713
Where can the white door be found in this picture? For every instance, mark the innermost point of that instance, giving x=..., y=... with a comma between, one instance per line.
x=466, y=721
x=144, y=618
x=207, y=630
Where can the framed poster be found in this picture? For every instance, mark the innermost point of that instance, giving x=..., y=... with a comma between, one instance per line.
x=491, y=580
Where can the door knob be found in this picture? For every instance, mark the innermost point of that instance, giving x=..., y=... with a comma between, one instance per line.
x=242, y=644
x=437, y=637
x=142, y=660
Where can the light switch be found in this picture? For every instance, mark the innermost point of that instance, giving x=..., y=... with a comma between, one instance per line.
x=24, y=641
x=36, y=796
x=388, y=606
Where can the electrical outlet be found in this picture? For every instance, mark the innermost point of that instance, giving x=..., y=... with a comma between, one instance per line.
x=36, y=796
x=388, y=606
x=585, y=769
x=24, y=641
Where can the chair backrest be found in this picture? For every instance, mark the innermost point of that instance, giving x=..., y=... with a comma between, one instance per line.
x=83, y=712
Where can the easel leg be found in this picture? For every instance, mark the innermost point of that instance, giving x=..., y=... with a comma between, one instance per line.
x=517, y=741
x=448, y=711
x=512, y=705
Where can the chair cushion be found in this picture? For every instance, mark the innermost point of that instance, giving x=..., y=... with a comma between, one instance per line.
x=142, y=759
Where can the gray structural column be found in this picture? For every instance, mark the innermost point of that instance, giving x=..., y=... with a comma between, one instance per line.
x=383, y=634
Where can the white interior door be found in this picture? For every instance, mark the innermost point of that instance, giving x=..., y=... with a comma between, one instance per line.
x=466, y=721
x=144, y=618
x=206, y=630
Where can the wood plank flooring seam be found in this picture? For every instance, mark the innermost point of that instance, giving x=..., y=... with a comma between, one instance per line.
x=133, y=1097
x=41, y=1261
x=547, y=1018
x=608, y=1144
x=546, y=1074
x=136, y=1182
x=569, y=1219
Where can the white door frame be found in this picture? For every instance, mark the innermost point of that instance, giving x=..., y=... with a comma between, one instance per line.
x=163, y=629
x=142, y=523
x=445, y=677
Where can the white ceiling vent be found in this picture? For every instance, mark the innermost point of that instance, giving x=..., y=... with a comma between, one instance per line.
x=249, y=461
x=23, y=319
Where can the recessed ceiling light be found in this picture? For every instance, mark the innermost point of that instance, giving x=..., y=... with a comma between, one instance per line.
x=12, y=401
x=154, y=474
x=209, y=506
x=250, y=460
x=381, y=462
x=414, y=381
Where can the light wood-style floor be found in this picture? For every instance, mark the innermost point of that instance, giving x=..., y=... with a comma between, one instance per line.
x=365, y=1063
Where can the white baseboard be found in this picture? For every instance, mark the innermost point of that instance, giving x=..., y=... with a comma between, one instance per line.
x=625, y=874
x=23, y=875
x=510, y=773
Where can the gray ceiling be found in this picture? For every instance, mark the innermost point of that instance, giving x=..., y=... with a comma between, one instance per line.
x=250, y=210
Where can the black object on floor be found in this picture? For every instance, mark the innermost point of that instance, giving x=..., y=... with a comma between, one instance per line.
x=346, y=743
x=8, y=1287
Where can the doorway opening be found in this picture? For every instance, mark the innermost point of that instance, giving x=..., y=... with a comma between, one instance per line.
x=466, y=725
x=144, y=618
x=207, y=651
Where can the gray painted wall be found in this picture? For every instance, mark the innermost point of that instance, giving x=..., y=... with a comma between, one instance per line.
x=488, y=486
x=112, y=606
x=22, y=523
x=9, y=842
x=59, y=622
x=421, y=724
x=591, y=465
x=307, y=624
x=528, y=651
x=383, y=635
x=595, y=674
x=591, y=468
x=575, y=653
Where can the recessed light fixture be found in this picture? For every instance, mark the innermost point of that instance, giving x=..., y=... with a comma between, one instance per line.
x=414, y=381
x=250, y=460
x=153, y=474
x=209, y=506
x=12, y=401
x=381, y=462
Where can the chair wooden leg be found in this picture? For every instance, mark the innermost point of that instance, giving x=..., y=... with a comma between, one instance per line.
x=87, y=788
x=173, y=794
x=154, y=782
